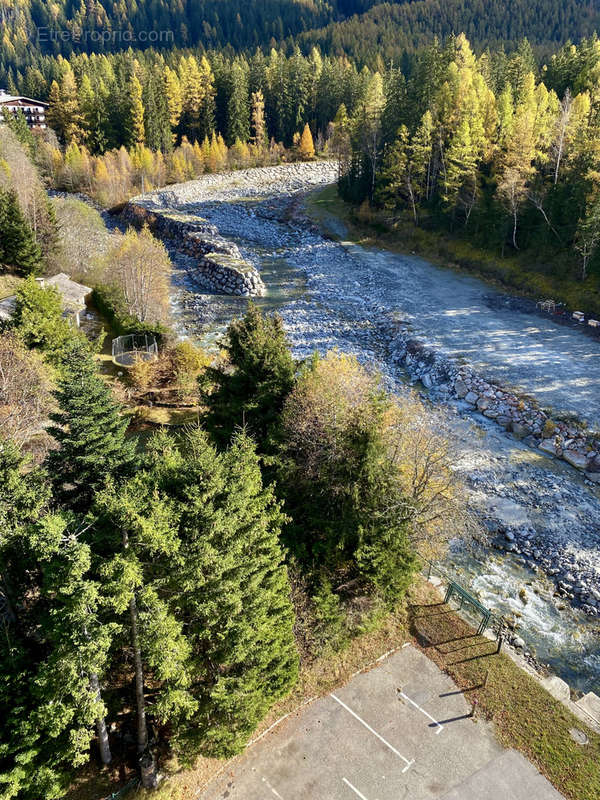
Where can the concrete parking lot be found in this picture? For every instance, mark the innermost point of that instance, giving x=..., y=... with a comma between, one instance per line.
x=401, y=731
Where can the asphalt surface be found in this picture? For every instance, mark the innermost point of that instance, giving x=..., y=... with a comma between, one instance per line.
x=401, y=731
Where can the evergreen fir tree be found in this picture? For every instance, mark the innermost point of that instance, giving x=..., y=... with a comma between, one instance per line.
x=252, y=393
x=54, y=645
x=18, y=249
x=139, y=524
x=89, y=429
x=234, y=594
x=238, y=109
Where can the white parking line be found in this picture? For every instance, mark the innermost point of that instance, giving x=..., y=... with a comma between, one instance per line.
x=275, y=792
x=422, y=710
x=354, y=789
x=374, y=732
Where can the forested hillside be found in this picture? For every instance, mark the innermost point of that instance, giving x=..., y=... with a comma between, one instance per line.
x=391, y=30
x=109, y=27
x=210, y=23
x=359, y=28
x=492, y=151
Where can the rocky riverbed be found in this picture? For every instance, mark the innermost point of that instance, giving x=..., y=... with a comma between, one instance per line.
x=542, y=514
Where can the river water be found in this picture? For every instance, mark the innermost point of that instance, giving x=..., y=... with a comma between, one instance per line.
x=316, y=318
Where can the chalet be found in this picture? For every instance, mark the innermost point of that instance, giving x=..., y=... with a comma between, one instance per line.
x=73, y=295
x=33, y=110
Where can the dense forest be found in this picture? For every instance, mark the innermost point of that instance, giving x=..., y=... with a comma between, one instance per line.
x=361, y=29
x=504, y=159
x=497, y=147
x=393, y=31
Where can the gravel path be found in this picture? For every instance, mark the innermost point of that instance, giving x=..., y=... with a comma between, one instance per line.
x=537, y=509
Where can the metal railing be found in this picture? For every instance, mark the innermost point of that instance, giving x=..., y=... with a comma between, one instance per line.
x=489, y=619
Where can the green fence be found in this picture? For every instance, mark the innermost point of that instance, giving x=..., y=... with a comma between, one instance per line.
x=467, y=601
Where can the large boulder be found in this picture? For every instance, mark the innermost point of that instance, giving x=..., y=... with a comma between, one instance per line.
x=575, y=459
x=548, y=446
x=460, y=388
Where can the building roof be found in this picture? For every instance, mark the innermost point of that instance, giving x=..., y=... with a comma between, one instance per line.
x=7, y=308
x=72, y=293
x=9, y=98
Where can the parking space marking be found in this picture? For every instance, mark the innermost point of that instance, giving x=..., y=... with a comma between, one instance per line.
x=374, y=732
x=275, y=792
x=354, y=789
x=440, y=727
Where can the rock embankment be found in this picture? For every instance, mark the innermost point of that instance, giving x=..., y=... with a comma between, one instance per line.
x=515, y=413
x=218, y=261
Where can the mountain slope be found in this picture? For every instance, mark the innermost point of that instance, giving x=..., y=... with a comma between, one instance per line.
x=389, y=30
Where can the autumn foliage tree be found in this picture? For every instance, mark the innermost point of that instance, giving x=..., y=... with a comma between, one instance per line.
x=139, y=266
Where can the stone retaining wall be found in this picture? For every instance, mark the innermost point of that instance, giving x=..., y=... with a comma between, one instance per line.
x=515, y=413
x=219, y=261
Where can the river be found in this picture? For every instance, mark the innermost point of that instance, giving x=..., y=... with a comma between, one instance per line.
x=336, y=294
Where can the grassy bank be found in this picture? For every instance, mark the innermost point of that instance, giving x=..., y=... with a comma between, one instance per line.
x=526, y=717
x=516, y=274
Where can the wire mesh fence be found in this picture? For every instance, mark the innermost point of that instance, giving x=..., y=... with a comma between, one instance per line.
x=128, y=349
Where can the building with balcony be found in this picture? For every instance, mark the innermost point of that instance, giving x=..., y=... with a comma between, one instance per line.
x=33, y=110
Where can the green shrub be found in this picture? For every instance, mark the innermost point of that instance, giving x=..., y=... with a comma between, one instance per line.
x=110, y=302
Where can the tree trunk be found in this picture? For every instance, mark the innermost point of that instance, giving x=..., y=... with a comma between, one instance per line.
x=142, y=728
x=514, y=236
x=147, y=762
x=105, y=754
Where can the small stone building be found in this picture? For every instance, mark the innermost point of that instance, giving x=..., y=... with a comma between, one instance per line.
x=73, y=295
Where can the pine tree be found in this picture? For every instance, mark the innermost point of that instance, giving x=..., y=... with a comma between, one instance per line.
x=139, y=522
x=460, y=180
x=54, y=647
x=18, y=249
x=421, y=154
x=394, y=176
x=89, y=429
x=93, y=104
x=234, y=594
x=306, y=148
x=252, y=392
x=136, y=112
x=238, y=108
x=157, y=126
